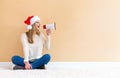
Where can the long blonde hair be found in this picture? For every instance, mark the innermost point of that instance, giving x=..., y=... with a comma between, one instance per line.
x=31, y=32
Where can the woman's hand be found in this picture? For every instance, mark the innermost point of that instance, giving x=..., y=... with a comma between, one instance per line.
x=38, y=28
x=48, y=31
x=28, y=66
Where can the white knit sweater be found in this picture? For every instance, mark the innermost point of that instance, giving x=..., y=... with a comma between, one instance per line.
x=34, y=51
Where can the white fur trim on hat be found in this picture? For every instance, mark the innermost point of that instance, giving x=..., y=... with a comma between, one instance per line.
x=29, y=27
x=34, y=19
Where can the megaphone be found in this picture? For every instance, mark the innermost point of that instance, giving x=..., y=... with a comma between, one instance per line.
x=50, y=26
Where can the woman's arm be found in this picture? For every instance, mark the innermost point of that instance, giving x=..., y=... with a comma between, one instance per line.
x=47, y=43
x=25, y=47
x=47, y=40
x=26, y=51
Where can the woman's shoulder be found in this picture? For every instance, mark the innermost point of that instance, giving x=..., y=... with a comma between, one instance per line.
x=23, y=35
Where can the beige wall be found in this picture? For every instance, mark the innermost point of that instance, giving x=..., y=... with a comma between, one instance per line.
x=87, y=30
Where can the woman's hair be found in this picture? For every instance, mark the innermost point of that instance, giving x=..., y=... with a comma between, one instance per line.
x=31, y=32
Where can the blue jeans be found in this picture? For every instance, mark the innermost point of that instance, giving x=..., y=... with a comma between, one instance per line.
x=17, y=60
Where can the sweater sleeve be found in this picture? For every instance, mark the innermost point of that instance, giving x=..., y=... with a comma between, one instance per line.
x=25, y=46
x=47, y=41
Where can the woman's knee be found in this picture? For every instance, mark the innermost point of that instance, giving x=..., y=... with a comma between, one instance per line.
x=47, y=56
x=14, y=58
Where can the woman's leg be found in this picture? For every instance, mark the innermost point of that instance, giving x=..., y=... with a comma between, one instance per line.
x=41, y=61
x=17, y=60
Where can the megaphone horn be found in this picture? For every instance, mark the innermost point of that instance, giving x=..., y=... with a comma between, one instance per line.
x=50, y=26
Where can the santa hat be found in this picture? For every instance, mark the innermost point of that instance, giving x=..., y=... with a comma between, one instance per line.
x=30, y=21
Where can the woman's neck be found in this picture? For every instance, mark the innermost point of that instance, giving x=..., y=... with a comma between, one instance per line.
x=34, y=33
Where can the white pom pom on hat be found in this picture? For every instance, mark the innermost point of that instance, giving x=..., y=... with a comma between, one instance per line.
x=29, y=27
x=30, y=21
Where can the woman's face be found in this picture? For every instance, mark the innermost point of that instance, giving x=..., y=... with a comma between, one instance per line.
x=37, y=25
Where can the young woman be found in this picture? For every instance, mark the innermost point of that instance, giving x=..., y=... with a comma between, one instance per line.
x=33, y=42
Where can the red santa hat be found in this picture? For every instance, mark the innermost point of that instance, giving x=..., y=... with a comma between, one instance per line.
x=30, y=21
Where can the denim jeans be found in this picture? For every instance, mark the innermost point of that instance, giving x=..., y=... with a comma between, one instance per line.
x=17, y=60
